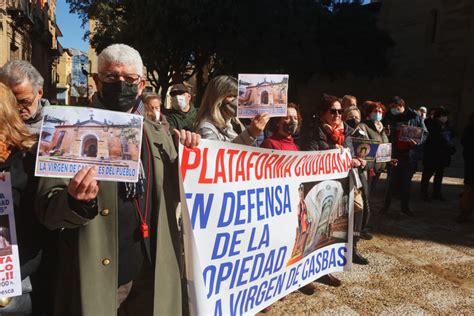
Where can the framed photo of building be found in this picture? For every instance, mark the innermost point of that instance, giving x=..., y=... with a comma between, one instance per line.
x=408, y=133
x=260, y=93
x=73, y=138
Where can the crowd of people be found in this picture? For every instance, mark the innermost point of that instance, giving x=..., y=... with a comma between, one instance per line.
x=81, y=250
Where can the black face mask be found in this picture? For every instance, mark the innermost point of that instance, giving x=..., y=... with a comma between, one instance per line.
x=229, y=109
x=118, y=96
x=290, y=127
x=352, y=123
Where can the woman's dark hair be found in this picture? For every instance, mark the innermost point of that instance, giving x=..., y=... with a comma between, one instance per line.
x=396, y=100
x=273, y=123
x=326, y=102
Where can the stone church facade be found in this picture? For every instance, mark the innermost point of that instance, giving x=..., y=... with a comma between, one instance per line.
x=93, y=139
x=265, y=93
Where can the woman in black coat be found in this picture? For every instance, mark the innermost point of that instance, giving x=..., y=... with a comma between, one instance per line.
x=17, y=156
x=437, y=152
x=330, y=132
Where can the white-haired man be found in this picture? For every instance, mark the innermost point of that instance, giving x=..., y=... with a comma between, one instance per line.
x=26, y=84
x=119, y=249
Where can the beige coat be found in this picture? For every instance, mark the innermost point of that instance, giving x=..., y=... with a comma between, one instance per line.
x=88, y=250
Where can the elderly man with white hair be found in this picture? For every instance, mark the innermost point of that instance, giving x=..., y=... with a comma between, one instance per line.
x=26, y=84
x=119, y=248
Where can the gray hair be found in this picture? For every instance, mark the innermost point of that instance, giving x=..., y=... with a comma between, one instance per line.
x=16, y=72
x=423, y=109
x=120, y=54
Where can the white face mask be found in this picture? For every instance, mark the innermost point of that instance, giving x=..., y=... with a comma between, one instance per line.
x=443, y=119
x=157, y=115
x=179, y=102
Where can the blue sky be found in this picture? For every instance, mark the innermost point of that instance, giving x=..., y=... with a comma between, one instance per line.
x=70, y=25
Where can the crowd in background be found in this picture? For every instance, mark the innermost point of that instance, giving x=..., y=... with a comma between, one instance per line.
x=78, y=240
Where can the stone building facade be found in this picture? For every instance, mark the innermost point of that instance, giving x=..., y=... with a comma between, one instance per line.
x=28, y=31
x=93, y=139
x=63, y=82
x=265, y=93
x=431, y=63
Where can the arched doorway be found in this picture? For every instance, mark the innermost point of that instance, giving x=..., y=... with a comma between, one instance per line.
x=264, y=97
x=89, y=146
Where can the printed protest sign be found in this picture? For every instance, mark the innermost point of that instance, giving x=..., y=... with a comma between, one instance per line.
x=10, y=276
x=408, y=133
x=260, y=93
x=259, y=224
x=365, y=148
x=384, y=153
x=73, y=138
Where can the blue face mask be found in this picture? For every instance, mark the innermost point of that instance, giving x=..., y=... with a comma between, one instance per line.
x=377, y=116
x=395, y=111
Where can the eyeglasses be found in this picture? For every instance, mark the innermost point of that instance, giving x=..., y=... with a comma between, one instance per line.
x=111, y=77
x=25, y=103
x=335, y=111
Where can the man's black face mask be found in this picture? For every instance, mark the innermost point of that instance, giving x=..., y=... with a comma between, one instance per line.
x=118, y=96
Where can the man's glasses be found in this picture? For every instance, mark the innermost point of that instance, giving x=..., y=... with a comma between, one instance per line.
x=335, y=111
x=111, y=77
x=25, y=103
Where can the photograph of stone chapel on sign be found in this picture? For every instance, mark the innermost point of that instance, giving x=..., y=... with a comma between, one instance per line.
x=73, y=138
x=260, y=93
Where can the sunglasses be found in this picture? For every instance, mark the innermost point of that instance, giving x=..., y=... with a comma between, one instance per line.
x=335, y=111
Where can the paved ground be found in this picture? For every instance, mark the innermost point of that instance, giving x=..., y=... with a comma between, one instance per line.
x=421, y=266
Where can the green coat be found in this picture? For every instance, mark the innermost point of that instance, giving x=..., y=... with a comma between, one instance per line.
x=181, y=120
x=88, y=250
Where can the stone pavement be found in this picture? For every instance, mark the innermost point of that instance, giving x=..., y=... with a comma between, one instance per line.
x=419, y=266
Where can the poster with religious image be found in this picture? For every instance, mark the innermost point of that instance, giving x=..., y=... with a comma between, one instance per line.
x=73, y=138
x=260, y=93
x=384, y=153
x=365, y=148
x=259, y=224
x=10, y=276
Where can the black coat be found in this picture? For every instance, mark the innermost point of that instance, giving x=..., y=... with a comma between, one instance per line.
x=317, y=139
x=467, y=141
x=439, y=146
x=36, y=244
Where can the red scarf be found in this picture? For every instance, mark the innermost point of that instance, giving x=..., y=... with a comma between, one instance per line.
x=337, y=134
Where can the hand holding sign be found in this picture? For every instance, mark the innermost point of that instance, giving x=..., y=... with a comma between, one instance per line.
x=258, y=124
x=186, y=138
x=83, y=186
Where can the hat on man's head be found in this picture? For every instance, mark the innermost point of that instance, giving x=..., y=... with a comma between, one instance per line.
x=179, y=89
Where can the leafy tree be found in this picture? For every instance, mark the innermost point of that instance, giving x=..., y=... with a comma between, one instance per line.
x=301, y=37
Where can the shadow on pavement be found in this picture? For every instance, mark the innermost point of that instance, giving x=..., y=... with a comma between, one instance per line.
x=434, y=221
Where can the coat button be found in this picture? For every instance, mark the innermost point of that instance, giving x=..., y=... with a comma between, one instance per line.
x=105, y=212
x=5, y=301
x=106, y=262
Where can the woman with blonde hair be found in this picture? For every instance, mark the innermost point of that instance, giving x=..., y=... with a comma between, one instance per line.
x=13, y=132
x=17, y=156
x=217, y=116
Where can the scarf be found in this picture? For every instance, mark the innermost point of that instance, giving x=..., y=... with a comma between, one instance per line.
x=378, y=126
x=337, y=134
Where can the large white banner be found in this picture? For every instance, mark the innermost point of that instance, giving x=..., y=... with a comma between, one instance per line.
x=259, y=223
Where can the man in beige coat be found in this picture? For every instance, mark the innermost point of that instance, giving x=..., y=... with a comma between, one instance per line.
x=119, y=249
